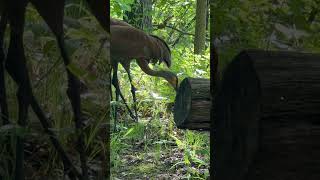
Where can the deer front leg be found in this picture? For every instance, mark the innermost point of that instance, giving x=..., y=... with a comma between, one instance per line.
x=73, y=93
x=23, y=103
x=115, y=83
x=4, y=113
x=16, y=67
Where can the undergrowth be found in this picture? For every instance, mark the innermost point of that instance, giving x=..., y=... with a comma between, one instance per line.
x=153, y=148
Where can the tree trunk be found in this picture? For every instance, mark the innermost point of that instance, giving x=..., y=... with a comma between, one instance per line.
x=207, y=15
x=140, y=15
x=147, y=16
x=105, y=133
x=213, y=83
x=134, y=17
x=200, y=30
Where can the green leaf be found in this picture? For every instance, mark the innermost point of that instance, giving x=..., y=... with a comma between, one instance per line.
x=179, y=143
x=128, y=132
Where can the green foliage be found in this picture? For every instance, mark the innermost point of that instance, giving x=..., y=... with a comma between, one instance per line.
x=195, y=147
x=278, y=25
x=119, y=6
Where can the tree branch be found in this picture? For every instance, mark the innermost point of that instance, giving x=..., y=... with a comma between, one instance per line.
x=176, y=29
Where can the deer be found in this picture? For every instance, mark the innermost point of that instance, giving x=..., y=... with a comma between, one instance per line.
x=52, y=12
x=128, y=43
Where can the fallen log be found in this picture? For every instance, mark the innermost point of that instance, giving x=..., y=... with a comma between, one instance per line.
x=267, y=118
x=234, y=137
x=192, y=104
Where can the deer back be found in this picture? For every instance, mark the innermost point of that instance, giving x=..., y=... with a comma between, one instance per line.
x=129, y=43
x=151, y=47
x=116, y=22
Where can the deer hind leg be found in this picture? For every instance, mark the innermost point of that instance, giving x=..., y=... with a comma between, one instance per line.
x=73, y=93
x=133, y=92
x=25, y=98
x=115, y=83
x=16, y=66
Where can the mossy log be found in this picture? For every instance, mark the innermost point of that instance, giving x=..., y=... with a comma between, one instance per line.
x=192, y=104
x=272, y=133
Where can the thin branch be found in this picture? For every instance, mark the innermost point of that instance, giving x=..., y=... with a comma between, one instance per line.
x=182, y=32
x=176, y=29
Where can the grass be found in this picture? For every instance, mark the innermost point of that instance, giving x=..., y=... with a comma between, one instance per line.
x=152, y=151
x=154, y=148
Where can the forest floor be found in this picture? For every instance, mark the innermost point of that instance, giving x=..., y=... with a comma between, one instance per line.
x=156, y=149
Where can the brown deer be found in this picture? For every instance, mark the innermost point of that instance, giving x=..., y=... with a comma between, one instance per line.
x=128, y=43
x=52, y=11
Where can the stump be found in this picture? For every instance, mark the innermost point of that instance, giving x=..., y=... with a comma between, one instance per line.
x=282, y=141
x=192, y=104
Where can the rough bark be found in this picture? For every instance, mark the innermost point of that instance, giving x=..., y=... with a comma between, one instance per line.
x=147, y=16
x=105, y=132
x=200, y=29
x=213, y=76
x=290, y=126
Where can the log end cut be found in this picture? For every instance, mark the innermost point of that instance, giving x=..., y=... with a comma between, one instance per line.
x=192, y=104
x=235, y=130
